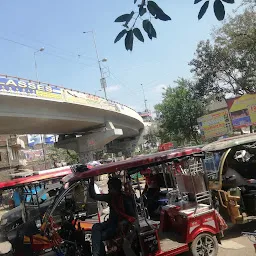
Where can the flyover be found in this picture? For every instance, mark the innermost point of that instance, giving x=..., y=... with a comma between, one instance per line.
x=84, y=122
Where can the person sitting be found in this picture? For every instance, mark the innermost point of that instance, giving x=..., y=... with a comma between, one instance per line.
x=151, y=191
x=119, y=211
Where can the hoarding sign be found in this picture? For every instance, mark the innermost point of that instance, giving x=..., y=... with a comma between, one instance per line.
x=215, y=124
x=34, y=139
x=91, y=101
x=27, y=88
x=242, y=110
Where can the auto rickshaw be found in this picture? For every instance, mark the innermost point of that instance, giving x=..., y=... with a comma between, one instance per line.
x=186, y=222
x=230, y=164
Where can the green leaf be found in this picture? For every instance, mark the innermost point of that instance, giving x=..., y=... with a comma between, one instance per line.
x=219, y=10
x=129, y=40
x=157, y=12
x=149, y=29
x=122, y=18
x=142, y=11
x=120, y=35
x=197, y=1
x=130, y=17
x=138, y=34
x=203, y=10
x=229, y=1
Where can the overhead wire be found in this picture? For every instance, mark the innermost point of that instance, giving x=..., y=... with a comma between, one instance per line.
x=46, y=52
x=55, y=47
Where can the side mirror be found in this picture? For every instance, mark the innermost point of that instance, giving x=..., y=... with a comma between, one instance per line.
x=231, y=178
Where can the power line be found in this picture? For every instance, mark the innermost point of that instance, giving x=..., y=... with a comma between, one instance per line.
x=55, y=47
x=123, y=84
x=15, y=42
x=48, y=53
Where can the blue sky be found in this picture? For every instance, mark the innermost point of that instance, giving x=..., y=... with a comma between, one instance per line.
x=58, y=25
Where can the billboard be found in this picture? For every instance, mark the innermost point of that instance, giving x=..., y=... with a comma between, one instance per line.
x=242, y=110
x=89, y=100
x=34, y=139
x=29, y=88
x=215, y=124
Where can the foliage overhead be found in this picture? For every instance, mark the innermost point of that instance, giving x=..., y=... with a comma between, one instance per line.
x=228, y=65
x=178, y=113
x=59, y=155
x=151, y=10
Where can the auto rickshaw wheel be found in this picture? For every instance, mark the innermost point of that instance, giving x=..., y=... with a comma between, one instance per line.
x=205, y=244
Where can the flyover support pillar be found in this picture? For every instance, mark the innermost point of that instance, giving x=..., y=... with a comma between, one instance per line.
x=87, y=145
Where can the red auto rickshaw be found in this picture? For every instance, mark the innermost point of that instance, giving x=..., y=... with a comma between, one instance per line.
x=187, y=220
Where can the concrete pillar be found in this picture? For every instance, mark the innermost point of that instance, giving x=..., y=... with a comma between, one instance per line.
x=126, y=146
x=86, y=145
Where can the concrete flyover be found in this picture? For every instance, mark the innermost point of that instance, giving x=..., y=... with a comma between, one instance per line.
x=84, y=122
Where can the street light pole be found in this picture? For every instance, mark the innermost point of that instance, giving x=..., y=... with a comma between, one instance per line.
x=145, y=101
x=102, y=78
x=40, y=50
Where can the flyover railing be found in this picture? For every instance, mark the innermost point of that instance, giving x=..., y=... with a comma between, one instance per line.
x=12, y=85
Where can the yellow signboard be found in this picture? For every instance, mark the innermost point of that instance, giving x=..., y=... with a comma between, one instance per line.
x=243, y=110
x=215, y=124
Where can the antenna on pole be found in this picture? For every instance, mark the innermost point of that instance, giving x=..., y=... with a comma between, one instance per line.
x=145, y=101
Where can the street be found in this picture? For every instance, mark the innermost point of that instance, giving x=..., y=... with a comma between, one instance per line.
x=234, y=244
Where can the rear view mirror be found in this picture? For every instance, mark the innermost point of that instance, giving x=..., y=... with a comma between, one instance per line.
x=231, y=178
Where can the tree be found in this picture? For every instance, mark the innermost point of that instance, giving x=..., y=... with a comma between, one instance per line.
x=228, y=65
x=129, y=20
x=178, y=113
x=58, y=155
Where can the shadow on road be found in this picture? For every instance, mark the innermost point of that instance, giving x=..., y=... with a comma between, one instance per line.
x=236, y=230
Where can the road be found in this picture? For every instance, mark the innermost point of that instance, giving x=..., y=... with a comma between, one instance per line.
x=236, y=245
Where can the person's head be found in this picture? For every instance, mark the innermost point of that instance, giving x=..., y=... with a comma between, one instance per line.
x=114, y=185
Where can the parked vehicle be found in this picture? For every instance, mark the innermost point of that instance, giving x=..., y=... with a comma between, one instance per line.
x=27, y=199
x=230, y=164
x=187, y=221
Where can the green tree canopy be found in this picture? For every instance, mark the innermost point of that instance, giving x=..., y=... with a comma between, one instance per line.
x=228, y=65
x=62, y=155
x=178, y=113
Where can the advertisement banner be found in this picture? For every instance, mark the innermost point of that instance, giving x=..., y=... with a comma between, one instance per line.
x=242, y=110
x=27, y=88
x=49, y=139
x=215, y=124
x=34, y=139
x=31, y=155
x=91, y=101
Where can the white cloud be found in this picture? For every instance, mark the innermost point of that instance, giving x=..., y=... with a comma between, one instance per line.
x=160, y=88
x=113, y=88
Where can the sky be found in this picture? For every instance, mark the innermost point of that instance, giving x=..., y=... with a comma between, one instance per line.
x=69, y=58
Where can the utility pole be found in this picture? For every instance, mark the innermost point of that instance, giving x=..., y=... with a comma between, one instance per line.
x=102, y=78
x=40, y=50
x=145, y=101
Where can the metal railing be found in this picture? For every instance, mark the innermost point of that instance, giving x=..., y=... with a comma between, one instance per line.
x=62, y=87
